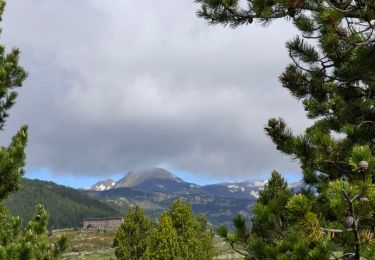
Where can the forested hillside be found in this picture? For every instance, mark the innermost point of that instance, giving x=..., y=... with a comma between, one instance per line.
x=218, y=210
x=66, y=206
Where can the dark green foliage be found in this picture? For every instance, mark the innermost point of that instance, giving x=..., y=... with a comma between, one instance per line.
x=67, y=207
x=30, y=243
x=17, y=242
x=222, y=231
x=131, y=237
x=334, y=77
x=275, y=227
x=12, y=159
x=270, y=213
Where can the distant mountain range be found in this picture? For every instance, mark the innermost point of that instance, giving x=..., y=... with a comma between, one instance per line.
x=160, y=180
x=155, y=189
x=152, y=189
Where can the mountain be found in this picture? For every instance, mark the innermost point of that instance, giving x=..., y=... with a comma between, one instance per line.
x=155, y=179
x=155, y=189
x=241, y=190
x=218, y=210
x=140, y=177
x=161, y=180
x=66, y=206
x=103, y=185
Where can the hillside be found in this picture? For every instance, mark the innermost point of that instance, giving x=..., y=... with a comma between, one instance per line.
x=156, y=188
x=161, y=180
x=66, y=206
x=218, y=210
x=153, y=189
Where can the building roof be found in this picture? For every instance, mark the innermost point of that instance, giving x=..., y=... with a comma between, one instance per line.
x=109, y=218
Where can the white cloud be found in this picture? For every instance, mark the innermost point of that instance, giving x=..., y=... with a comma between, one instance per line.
x=117, y=85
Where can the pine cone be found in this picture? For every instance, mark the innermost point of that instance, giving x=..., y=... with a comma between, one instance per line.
x=349, y=221
x=270, y=130
x=363, y=166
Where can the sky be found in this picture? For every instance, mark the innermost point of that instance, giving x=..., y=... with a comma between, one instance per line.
x=121, y=84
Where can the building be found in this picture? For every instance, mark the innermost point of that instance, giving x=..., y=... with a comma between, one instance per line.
x=102, y=223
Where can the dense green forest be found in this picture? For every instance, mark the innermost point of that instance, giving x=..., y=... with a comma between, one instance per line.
x=66, y=206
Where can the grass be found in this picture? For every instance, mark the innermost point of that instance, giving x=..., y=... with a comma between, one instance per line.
x=95, y=245
x=92, y=255
x=91, y=245
x=224, y=251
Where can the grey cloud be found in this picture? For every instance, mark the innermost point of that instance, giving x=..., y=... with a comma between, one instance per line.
x=116, y=85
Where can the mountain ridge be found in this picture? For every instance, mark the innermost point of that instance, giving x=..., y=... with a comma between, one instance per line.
x=161, y=180
x=66, y=206
x=153, y=192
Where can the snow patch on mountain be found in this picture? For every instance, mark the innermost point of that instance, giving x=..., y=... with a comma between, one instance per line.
x=255, y=194
x=102, y=185
x=160, y=180
x=260, y=183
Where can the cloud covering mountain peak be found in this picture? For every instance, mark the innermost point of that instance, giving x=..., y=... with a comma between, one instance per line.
x=134, y=84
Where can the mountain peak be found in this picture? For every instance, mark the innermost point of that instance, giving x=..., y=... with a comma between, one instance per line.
x=138, y=177
x=103, y=185
x=161, y=180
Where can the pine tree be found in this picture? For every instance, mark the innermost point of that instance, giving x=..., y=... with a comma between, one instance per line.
x=333, y=73
x=162, y=242
x=131, y=238
x=194, y=236
x=178, y=235
x=270, y=223
x=16, y=243
x=275, y=232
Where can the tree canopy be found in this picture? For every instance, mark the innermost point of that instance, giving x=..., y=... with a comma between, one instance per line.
x=178, y=234
x=332, y=72
x=15, y=242
x=131, y=237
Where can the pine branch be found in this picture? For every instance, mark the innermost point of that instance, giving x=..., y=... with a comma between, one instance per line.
x=355, y=230
x=332, y=230
x=245, y=254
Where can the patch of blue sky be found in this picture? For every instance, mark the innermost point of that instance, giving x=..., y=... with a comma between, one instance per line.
x=70, y=180
x=84, y=181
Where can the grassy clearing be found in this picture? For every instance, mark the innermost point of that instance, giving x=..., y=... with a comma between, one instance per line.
x=224, y=251
x=92, y=255
x=95, y=245
x=89, y=245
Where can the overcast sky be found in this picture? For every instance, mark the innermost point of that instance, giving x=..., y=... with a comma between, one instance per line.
x=122, y=84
